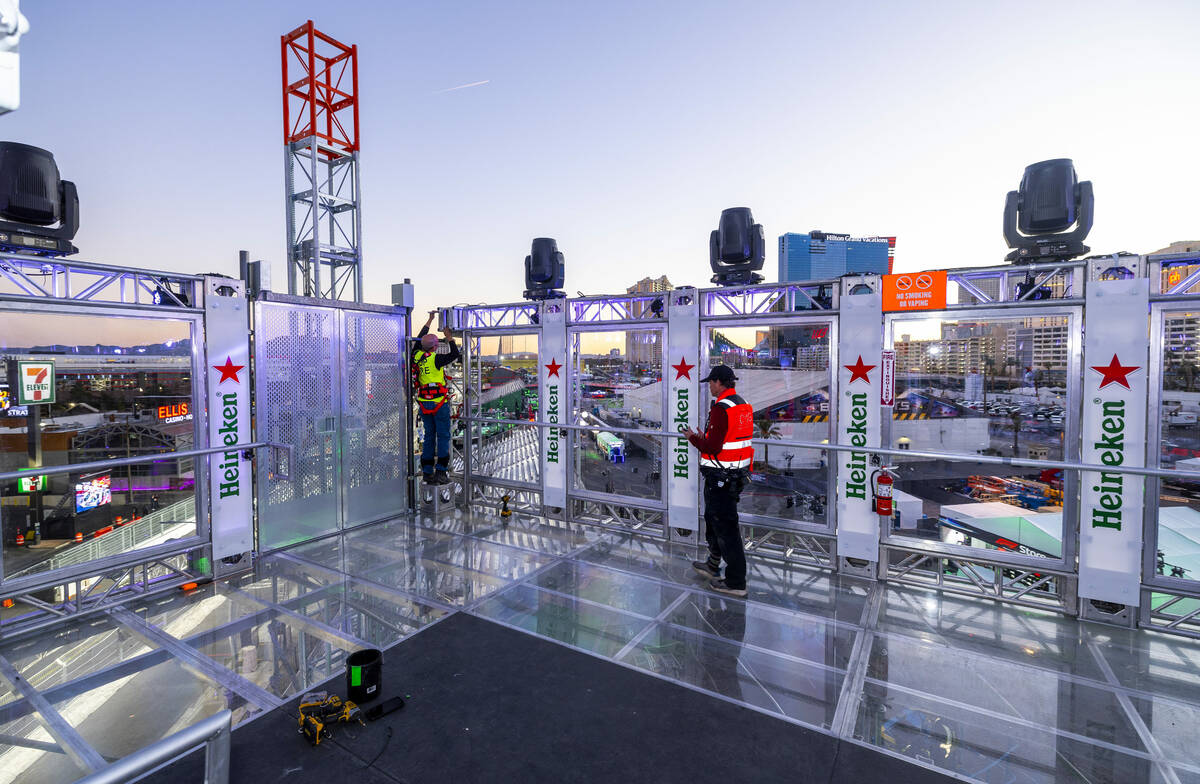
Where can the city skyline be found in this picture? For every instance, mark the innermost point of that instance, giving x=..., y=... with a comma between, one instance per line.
x=626, y=163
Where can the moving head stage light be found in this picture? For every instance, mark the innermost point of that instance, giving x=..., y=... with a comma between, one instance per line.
x=33, y=199
x=1038, y=216
x=736, y=250
x=544, y=270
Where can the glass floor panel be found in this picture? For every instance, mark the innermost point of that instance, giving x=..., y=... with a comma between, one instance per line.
x=797, y=690
x=807, y=637
x=580, y=624
x=1037, y=696
x=989, y=748
x=619, y=590
x=992, y=693
x=40, y=762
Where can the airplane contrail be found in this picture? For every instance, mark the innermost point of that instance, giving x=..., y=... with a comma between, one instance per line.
x=462, y=87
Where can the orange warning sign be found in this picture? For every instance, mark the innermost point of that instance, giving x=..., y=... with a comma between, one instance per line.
x=915, y=291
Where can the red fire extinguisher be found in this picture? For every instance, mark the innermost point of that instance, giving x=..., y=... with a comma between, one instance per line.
x=881, y=488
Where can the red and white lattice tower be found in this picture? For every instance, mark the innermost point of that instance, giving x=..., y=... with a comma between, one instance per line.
x=320, y=136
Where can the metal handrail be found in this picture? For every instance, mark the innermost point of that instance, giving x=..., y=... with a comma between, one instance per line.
x=214, y=732
x=101, y=465
x=872, y=450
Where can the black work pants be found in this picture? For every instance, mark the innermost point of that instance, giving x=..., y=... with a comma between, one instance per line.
x=721, y=527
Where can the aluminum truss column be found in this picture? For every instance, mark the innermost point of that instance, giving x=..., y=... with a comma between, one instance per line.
x=1116, y=353
x=857, y=389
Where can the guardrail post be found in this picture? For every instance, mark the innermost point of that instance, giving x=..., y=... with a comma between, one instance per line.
x=1116, y=351
x=216, y=756
x=857, y=387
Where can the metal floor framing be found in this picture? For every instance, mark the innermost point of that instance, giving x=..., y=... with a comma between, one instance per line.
x=973, y=688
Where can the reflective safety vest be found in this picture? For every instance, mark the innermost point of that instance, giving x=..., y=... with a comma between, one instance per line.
x=737, y=451
x=432, y=392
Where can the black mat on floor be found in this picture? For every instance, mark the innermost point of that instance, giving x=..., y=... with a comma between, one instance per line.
x=489, y=704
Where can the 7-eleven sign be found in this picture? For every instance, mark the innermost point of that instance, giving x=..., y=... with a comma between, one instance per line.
x=35, y=383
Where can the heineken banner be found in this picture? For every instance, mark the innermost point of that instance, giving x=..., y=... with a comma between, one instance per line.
x=682, y=368
x=860, y=348
x=1116, y=346
x=552, y=397
x=227, y=346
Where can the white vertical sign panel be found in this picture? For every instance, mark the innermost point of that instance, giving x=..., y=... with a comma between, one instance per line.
x=553, y=393
x=860, y=347
x=682, y=366
x=887, y=390
x=1116, y=347
x=227, y=351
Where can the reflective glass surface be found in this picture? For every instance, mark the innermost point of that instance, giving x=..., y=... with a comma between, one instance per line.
x=784, y=374
x=988, y=692
x=989, y=386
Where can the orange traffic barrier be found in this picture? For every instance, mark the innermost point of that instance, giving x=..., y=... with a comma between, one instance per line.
x=79, y=536
x=20, y=540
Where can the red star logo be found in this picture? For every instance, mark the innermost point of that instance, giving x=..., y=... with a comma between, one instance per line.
x=859, y=370
x=1114, y=373
x=553, y=367
x=229, y=371
x=683, y=369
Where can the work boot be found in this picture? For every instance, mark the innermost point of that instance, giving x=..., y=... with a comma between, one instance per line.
x=707, y=570
x=428, y=479
x=441, y=478
x=720, y=586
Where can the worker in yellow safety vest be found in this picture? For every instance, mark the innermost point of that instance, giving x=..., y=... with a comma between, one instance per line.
x=433, y=398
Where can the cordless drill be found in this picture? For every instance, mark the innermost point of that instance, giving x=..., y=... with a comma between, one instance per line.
x=319, y=709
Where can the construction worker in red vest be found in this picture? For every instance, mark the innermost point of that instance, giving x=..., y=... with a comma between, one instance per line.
x=726, y=454
x=433, y=400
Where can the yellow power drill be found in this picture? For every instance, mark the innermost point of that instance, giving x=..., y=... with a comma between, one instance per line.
x=319, y=709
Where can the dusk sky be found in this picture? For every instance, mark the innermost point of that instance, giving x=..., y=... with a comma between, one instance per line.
x=621, y=129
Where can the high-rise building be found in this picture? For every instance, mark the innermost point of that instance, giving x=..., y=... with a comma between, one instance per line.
x=644, y=347
x=822, y=256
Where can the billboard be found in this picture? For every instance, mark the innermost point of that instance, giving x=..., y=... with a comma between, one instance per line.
x=92, y=492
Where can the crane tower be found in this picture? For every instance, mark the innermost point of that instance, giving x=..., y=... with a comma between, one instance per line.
x=321, y=146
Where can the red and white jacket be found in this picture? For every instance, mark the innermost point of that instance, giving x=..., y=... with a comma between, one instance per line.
x=726, y=440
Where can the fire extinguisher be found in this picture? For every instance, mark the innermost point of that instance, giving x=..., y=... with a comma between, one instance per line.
x=881, y=489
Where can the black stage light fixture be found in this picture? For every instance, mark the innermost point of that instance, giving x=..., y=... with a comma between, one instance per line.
x=1038, y=216
x=166, y=295
x=544, y=270
x=39, y=211
x=737, y=249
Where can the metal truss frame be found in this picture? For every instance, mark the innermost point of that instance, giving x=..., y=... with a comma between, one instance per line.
x=1026, y=586
x=77, y=281
x=98, y=589
x=1072, y=273
x=808, y=549
x=492, y=493
x=618, y=515
x=486, y=317
x=1184, y=287
x=618, y=309
x=1177, y=612
x=324, y=222
x=768, y=299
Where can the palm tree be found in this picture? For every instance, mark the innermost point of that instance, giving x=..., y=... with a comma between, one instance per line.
x=1017, y=418
x=767, y=428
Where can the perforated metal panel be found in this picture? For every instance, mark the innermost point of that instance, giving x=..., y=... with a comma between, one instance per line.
x=297, y=395
x=373, y=403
